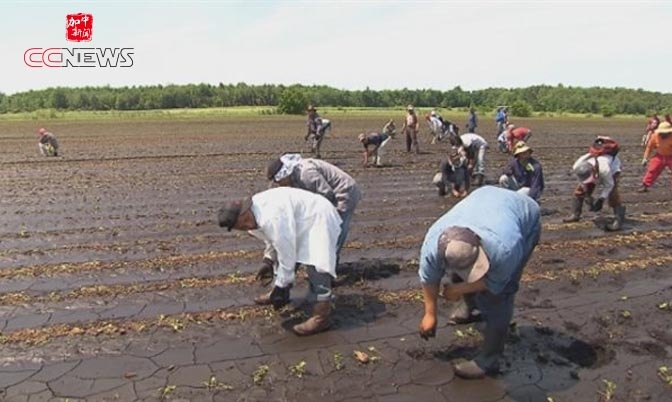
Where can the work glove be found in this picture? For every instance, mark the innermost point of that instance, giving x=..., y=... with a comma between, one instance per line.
x=644, y=161
x=266, y=270
x=279, y=297
x=306, y=137
x=597, y=206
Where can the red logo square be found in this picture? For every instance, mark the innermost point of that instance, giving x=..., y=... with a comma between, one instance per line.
x=79, y=27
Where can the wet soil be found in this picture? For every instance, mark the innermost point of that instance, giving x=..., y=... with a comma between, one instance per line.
x=117, y=283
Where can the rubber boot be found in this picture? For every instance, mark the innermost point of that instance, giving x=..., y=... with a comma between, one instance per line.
x=409, y=141
x=616, y=225
x=318, y=322
x=487, y=361
x=263, y=299
x=577, y=207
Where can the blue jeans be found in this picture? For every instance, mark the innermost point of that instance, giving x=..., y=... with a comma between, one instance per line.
x=346, y=217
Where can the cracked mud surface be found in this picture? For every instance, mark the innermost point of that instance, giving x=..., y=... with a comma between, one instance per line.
x=117, y=285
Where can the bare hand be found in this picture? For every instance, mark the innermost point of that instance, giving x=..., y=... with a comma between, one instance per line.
x=428, y=327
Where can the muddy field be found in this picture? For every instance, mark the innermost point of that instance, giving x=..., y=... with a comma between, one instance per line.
x=117, y=284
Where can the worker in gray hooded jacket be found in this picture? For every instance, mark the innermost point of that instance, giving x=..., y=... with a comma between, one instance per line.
x=319, y=177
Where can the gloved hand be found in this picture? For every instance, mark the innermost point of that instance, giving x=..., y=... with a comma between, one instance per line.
x=644, y=161
x=279, y=297
x=597, y=206
x=306, y=137
x=266, y=270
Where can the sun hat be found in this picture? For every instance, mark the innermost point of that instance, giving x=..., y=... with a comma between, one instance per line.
x=311, y=108
x=520, y=148
x=585, y=172
x=664, y=128
x=410, y=107
x=463, y=253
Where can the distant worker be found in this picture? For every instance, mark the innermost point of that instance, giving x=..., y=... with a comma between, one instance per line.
x=48, y=144
x=373, y=147
x=303, y=228
x=501, y=119
x=651, y=127
x=661, y=144
x=453, y=174
x=515, y=134
x=483, y=255
x=472, y=121
x=475, y=146
x=389, y=128
x=316, y=130
x=523, y=173
x=410, y=128
x=435, y=124
x=600, y=167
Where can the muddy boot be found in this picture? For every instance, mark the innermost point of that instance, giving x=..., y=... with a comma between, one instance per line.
x=616, y=225
x=469, y=370
x=577, y=207
x=267, y=299
x=264, y=299
x=318, y=322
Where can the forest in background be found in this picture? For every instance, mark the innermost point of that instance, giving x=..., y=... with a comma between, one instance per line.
x=293, y=99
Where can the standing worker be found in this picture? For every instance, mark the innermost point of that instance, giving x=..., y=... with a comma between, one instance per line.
x=316, y=130
x=485, y=254
x=472, y=121
x=661, y=144
x=411, y=127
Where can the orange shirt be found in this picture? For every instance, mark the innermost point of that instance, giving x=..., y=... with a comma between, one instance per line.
x=663, y=146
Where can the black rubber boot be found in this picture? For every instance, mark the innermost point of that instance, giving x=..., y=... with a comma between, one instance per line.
x=577, y=208
x=617, y=224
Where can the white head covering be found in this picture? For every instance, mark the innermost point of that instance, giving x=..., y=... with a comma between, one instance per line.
x=289, y=162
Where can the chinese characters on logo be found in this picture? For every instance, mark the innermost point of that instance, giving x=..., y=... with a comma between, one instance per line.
x=79, y=27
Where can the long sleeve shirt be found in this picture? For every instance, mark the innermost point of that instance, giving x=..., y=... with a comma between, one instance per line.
x=529, y=175
x=323, y=178
x=662, y=146
x=301, y=226
x=607, y=167
x=508, y=237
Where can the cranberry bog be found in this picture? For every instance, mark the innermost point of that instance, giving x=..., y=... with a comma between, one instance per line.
x=117, y=283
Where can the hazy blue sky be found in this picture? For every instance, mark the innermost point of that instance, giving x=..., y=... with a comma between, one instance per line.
x=352, y=44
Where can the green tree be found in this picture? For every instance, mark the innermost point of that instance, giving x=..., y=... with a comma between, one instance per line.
x=292, y=101
x=520, y=108
x=59, y=99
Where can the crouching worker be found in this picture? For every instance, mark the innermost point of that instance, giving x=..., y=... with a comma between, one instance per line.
x=523, y=173
x=598, y=168
x=48, y=143
x=485, y=254
x=453, y=174
x=303, y=228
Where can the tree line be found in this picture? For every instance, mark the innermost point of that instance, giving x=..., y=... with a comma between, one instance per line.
x=292, y=99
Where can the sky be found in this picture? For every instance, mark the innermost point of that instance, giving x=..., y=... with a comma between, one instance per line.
x=349, y=44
